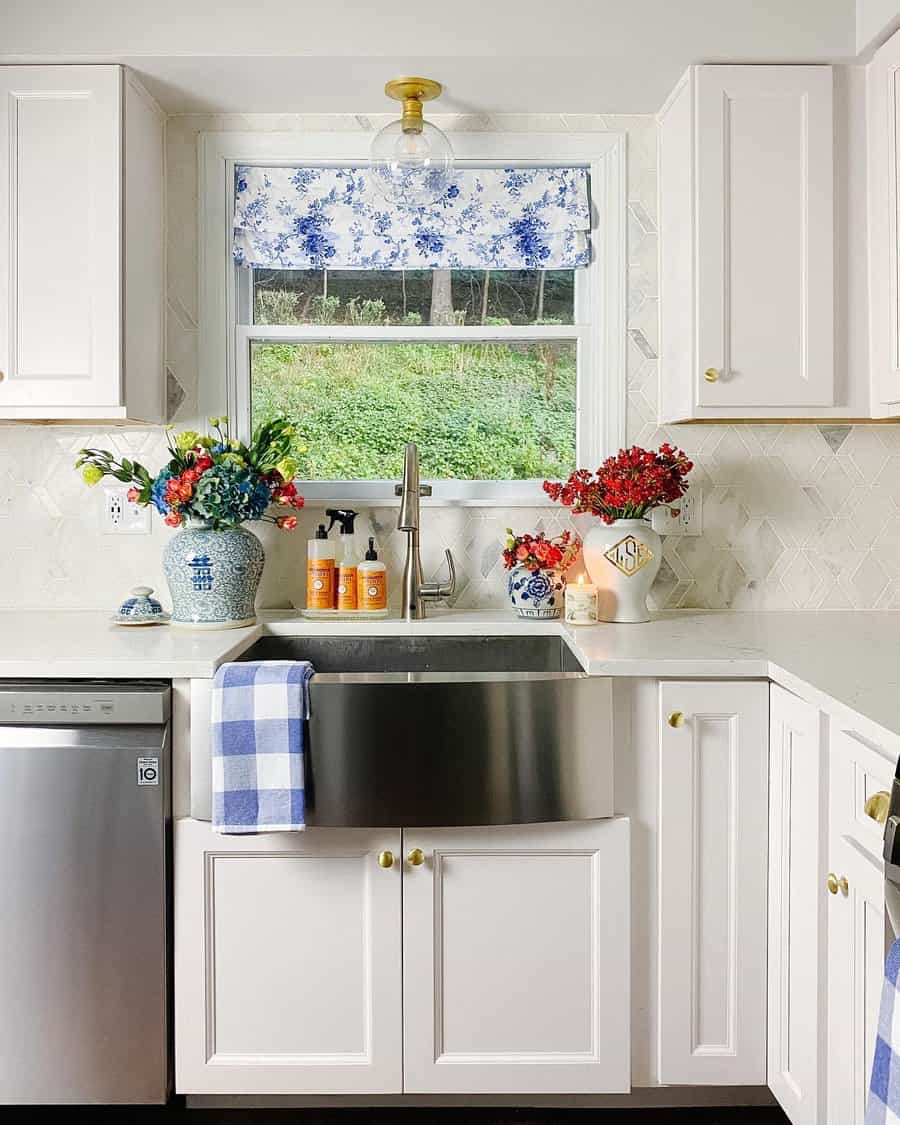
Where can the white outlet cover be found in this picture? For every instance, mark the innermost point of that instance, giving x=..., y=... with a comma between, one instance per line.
x=120, y=516
x=682, y=518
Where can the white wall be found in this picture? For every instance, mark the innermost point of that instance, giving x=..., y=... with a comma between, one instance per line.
x=796, y=516
x=506, y=56
x=875, y=21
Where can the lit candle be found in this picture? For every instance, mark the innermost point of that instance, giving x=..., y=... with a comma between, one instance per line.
x=581, y=602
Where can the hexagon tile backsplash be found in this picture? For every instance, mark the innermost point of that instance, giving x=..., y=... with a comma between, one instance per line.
x=795, y=517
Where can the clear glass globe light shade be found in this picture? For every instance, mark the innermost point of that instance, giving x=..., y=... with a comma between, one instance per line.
x=411, y=169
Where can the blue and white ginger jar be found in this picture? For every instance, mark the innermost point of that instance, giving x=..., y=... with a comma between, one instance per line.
x=537, y=593
x=213, y=576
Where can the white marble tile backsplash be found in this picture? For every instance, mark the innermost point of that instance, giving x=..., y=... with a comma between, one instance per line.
x=795, y=516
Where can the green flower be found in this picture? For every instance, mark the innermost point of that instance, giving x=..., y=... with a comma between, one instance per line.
x=288, y=468
x=92, y=474
x=187, y=439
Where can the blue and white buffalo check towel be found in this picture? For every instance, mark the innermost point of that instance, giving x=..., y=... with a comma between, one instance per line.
x=884, y=1091
x=258, y=711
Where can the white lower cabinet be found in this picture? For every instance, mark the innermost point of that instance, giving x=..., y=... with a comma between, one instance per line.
x=516, y=960
x=856, y=931
x=713, y=828
x=287, y=962
x=513, y=977
x=798, y=821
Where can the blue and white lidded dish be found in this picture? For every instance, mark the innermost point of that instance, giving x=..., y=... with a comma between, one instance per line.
x=141, y=609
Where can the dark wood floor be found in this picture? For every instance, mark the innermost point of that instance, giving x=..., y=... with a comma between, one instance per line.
x=176, y=1115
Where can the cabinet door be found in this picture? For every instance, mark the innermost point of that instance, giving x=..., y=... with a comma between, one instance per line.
x=765, y=297
x=287, y=962
x=60, y=231
x=856, y=947
x=882, y=105
x=516, y=959
x=856, y=932
x=712, y=882
x=798, y=818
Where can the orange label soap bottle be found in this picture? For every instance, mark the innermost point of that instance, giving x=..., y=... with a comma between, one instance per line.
x=371, y=582
x=320, y=571
x=346, y=558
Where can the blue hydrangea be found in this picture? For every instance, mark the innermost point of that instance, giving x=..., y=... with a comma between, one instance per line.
x=228, y=494
x=158, y=488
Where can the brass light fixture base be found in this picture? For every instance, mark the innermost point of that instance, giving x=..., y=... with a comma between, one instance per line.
x=412, y=92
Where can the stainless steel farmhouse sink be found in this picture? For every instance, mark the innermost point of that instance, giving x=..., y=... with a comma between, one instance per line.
x=437, y=731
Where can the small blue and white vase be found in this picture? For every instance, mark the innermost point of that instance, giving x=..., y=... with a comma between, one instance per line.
x=537, y=593
x=213, y=576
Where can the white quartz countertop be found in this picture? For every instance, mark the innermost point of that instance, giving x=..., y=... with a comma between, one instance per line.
x=846, y=658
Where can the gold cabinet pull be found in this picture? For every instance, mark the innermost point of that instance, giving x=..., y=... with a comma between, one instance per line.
x=386, y=859
x=415, y=857
x=711, y=374
x=844, y=885
x=832, y=883
x=877, y=806
x=676, y=719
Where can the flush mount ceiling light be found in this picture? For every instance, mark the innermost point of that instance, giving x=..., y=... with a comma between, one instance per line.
x=412, y=160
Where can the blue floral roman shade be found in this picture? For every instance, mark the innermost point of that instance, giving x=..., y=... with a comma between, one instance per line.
x=334, y=218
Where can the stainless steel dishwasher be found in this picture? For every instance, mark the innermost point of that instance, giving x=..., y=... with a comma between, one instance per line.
x=84, y=907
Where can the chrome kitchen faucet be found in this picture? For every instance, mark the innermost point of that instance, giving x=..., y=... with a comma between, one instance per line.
x=415, y=589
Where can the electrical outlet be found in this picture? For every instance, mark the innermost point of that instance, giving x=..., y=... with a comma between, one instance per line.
x=120, y=515
x=684, y=517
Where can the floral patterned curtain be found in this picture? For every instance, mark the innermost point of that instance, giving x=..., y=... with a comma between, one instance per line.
x=334, y=218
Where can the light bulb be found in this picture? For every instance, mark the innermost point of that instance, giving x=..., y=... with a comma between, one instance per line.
x=411, y=167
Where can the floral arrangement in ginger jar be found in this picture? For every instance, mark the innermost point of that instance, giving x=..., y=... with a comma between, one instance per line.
x=211, y=484
x=623, y=553
x=537, y=571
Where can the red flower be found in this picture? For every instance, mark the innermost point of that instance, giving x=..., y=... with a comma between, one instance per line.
x=133, y=495
x=190, y=476
x=537, y=552
x=288, y=523
x=173, y=519
x=203, y=463
x=298, y=502
x=626, y=486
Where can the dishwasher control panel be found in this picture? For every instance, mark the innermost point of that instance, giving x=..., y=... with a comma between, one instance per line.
x=82, y=703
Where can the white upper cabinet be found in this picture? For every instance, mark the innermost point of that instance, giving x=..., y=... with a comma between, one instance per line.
x=746, y=166
x=883, y=102
x=81, y=320
x=713, y=831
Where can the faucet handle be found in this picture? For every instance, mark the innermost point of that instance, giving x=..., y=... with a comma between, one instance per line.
x=441, y=589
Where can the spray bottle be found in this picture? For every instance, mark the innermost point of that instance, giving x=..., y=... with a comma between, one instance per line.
x=347, y=557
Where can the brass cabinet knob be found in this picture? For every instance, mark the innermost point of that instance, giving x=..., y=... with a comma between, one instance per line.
x=676, y=719
x=711, y=374
x=415, y=857
x=386, y=859
x=877, y=806
x=844, y=885
x=832, y=883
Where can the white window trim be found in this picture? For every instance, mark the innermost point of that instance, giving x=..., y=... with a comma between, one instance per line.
x=224, y=354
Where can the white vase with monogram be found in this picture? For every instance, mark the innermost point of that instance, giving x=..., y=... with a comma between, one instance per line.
x=622, y=559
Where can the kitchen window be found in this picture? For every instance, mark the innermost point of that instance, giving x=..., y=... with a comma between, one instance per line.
x=502, y=376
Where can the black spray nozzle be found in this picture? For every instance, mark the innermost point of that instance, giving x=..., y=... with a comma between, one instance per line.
x=343, y=516
x=371, y=554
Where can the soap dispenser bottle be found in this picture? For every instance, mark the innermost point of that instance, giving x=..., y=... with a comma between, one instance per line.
x=320, y=571
x=371, y=582
x=347, y=558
